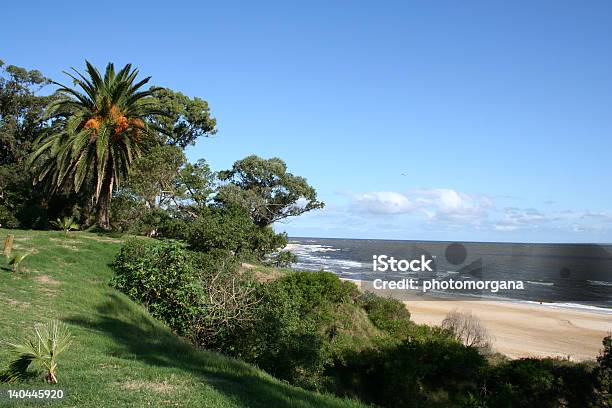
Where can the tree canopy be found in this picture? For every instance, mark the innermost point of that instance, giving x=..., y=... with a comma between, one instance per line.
x=265, y=189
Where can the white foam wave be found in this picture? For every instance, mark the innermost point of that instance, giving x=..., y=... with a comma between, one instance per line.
x=600, y=283
x=541, y=283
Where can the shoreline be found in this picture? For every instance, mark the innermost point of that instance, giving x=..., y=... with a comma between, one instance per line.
x=519, y=328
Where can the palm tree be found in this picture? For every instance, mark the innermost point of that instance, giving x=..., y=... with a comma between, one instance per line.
x=99, y=130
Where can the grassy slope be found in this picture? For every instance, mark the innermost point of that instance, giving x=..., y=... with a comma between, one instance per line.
x=121, y=356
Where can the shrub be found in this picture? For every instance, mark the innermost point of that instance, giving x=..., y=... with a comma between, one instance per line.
x=293, y=334
x=200, y=296
x=230, y=229
x=387, y=314
x=603, y=375
x=468, y=329
x=411, y=373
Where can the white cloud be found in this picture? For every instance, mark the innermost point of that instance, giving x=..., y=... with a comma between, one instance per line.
x=434, y=204
x=448, y=204
x=382, y=202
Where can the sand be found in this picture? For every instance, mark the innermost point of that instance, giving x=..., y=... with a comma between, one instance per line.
x=523, y=329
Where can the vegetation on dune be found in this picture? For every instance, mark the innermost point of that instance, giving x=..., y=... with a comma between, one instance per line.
x=321, y=333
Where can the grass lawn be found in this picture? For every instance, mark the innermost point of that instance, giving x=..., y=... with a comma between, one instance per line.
x=120, y=357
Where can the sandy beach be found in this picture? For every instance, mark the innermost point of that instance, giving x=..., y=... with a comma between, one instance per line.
x=524, y=330
x=521, y=329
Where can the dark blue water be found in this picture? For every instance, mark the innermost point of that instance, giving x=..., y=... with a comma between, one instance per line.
x=571, y=275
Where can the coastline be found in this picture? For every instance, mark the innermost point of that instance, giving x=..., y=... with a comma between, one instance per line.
x=520, y=329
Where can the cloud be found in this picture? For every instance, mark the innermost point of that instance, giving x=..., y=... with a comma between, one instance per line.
x=450, y=205
x=446, y=211
x=382, y=202
x=520, y=218
x=434, y=204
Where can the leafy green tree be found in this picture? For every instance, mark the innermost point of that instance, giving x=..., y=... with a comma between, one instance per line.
x=184, y=119
x=266, y=190
x=100, y=129
x=154, y=176
x=196, y=184
x=21, y=111
x=21, y=122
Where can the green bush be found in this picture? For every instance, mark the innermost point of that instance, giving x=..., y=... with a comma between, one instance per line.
x=438, y=371
x=603, y=375
x=294, y=331
x=200, y=296
x=387, y=314
x=229, y=229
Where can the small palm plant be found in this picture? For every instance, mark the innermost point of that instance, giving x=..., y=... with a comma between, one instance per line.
x=16, y=261
x=41, y=348
x=65, y=224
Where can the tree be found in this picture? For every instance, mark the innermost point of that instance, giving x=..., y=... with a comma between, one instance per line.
x=21, y=111
x=266, y=190
x=153, y=176
x=183, y=120
x=21, y=123
x=99, y=130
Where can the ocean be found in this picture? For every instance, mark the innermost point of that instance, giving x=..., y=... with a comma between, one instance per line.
x=559, y=275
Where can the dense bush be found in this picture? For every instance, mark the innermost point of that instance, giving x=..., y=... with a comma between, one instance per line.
x=200, y=296
x=438, y=371
x=387, y=314
x=603, y=375
x=534, y=382
x=228, y=229
x=295, y=327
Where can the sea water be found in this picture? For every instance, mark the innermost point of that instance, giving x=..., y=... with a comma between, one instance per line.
x=559, y=275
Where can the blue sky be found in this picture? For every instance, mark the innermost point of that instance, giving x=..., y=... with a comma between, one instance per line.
x=498, y=115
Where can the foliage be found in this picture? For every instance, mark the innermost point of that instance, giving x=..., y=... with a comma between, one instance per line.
x=537, y=382
x=283, y=259
x=43, y=347
x=99, y=131
x=603, y=375
x=437, y=371
x=184, y=119
x=387, y=314
x=290, y=336
x=65, y=224
x=200, y=296
x=21, y=112
x=153, y=176
x=17, y=260
x=229, y=229
x=21, y=123
x=266, y=190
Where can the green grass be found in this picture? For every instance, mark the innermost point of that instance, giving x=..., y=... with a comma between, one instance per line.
x=120, y=355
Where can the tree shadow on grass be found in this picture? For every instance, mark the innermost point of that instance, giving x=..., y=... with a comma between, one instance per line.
x=137, y=336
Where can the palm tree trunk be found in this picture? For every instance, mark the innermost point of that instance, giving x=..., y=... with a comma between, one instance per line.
x=103, y=204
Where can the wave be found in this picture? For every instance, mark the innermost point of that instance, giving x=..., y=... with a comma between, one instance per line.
x=573, y=306
x=310, y=248
x=600, y=283
x=541, y=283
